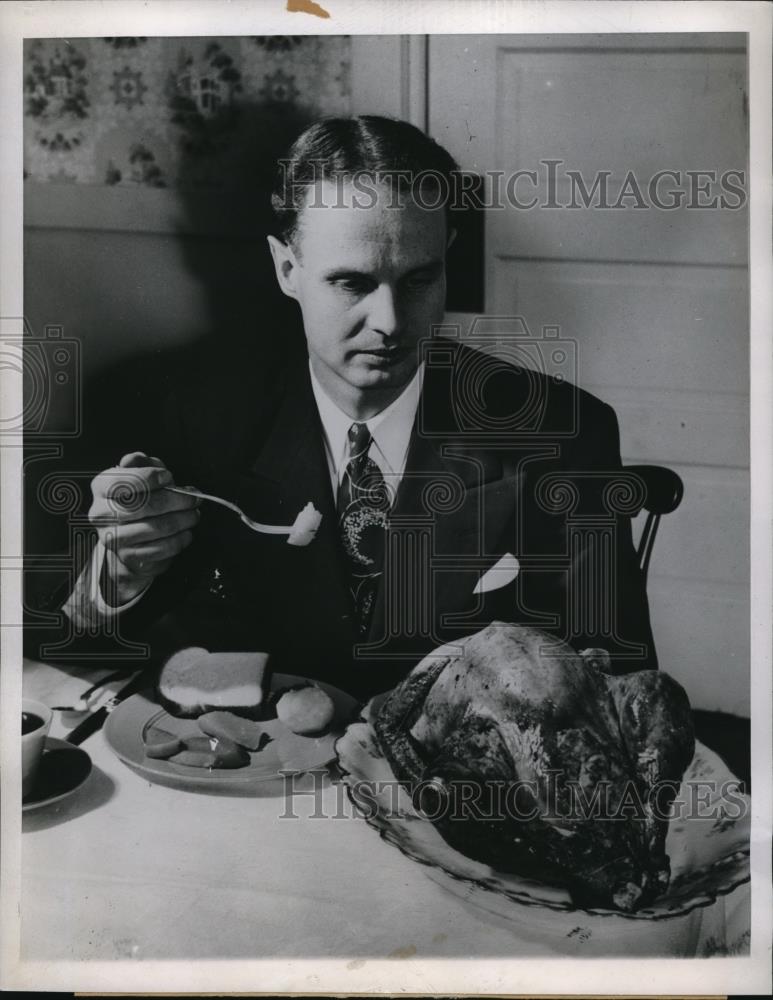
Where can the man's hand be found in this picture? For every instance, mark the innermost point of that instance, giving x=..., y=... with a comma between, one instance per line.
x=141, y=525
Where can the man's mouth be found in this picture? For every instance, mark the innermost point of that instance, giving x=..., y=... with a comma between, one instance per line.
x=384, y=353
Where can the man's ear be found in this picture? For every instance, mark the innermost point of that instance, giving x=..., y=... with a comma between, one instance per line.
x=285, y=266
x=451, y=238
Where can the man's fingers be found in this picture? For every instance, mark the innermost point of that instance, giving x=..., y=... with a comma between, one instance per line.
x=121, y=574
x=109, y=510
x=148, y=559
x=105, y=511
x=139, y=460
x=137, y=478
x=132, y=494
x=129, y=488
x=130, y=533
x=130, y=482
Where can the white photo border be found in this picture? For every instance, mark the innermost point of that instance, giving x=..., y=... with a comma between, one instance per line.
x=79, y=18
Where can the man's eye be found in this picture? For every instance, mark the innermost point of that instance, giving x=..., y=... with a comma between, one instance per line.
x=357, y=286
x=420, y=280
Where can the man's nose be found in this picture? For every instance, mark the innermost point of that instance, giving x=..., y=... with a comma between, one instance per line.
x=384, y=313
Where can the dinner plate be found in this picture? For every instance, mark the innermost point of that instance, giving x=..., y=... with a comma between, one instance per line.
x=62, y=770
x=140, y=718
x=709, y=853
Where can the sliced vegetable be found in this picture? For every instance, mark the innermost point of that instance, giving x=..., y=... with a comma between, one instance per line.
x=211, y=752
x=161, y=749
x=226, y=725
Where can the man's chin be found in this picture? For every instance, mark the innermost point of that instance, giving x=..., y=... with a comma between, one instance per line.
x=377, y=376
x=382, y=372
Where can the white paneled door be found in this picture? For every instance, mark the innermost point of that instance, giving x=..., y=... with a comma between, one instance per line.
x=631, y=153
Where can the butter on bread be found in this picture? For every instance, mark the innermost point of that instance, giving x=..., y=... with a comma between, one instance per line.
x=194, y=681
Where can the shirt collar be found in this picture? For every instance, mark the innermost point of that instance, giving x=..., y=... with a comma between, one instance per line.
x=390, y=429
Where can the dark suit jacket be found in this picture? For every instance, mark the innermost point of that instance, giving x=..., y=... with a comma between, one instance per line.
x=501, y=460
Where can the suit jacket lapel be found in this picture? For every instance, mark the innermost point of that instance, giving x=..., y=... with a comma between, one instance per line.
x=460, y=492
x=294, y=444
x=292, y=465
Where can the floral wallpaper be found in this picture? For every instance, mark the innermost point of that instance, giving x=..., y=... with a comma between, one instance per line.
x=168, y=112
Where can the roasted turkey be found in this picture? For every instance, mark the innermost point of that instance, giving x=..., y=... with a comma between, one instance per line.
x=529, y=757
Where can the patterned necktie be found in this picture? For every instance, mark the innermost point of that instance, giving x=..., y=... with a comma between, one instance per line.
x=363, y=503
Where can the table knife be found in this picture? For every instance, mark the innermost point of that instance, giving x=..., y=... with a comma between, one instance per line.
x=97, y=719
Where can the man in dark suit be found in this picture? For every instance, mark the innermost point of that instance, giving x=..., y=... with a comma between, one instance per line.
x=455, y=488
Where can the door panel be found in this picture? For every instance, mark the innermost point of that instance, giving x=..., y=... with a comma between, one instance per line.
x=677, y=328
x=656, y=300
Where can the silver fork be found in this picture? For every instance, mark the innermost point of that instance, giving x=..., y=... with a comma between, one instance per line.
x=301, y=532
x=82, y=702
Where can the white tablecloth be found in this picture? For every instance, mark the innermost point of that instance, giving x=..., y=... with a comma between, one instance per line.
x=133, y=870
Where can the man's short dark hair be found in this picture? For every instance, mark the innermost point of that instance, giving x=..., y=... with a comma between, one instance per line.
x=383, y=150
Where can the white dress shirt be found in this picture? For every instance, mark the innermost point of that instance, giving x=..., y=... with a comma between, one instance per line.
x=86, y=607
x=391, y=433
x=390, y=430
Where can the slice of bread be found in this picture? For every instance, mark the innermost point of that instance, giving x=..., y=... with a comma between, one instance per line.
x=194, y=681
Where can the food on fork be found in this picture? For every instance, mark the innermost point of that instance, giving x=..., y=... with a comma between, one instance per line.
x=194, y=681
x=305, y=525
x=302, y=531
x=306, y=711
